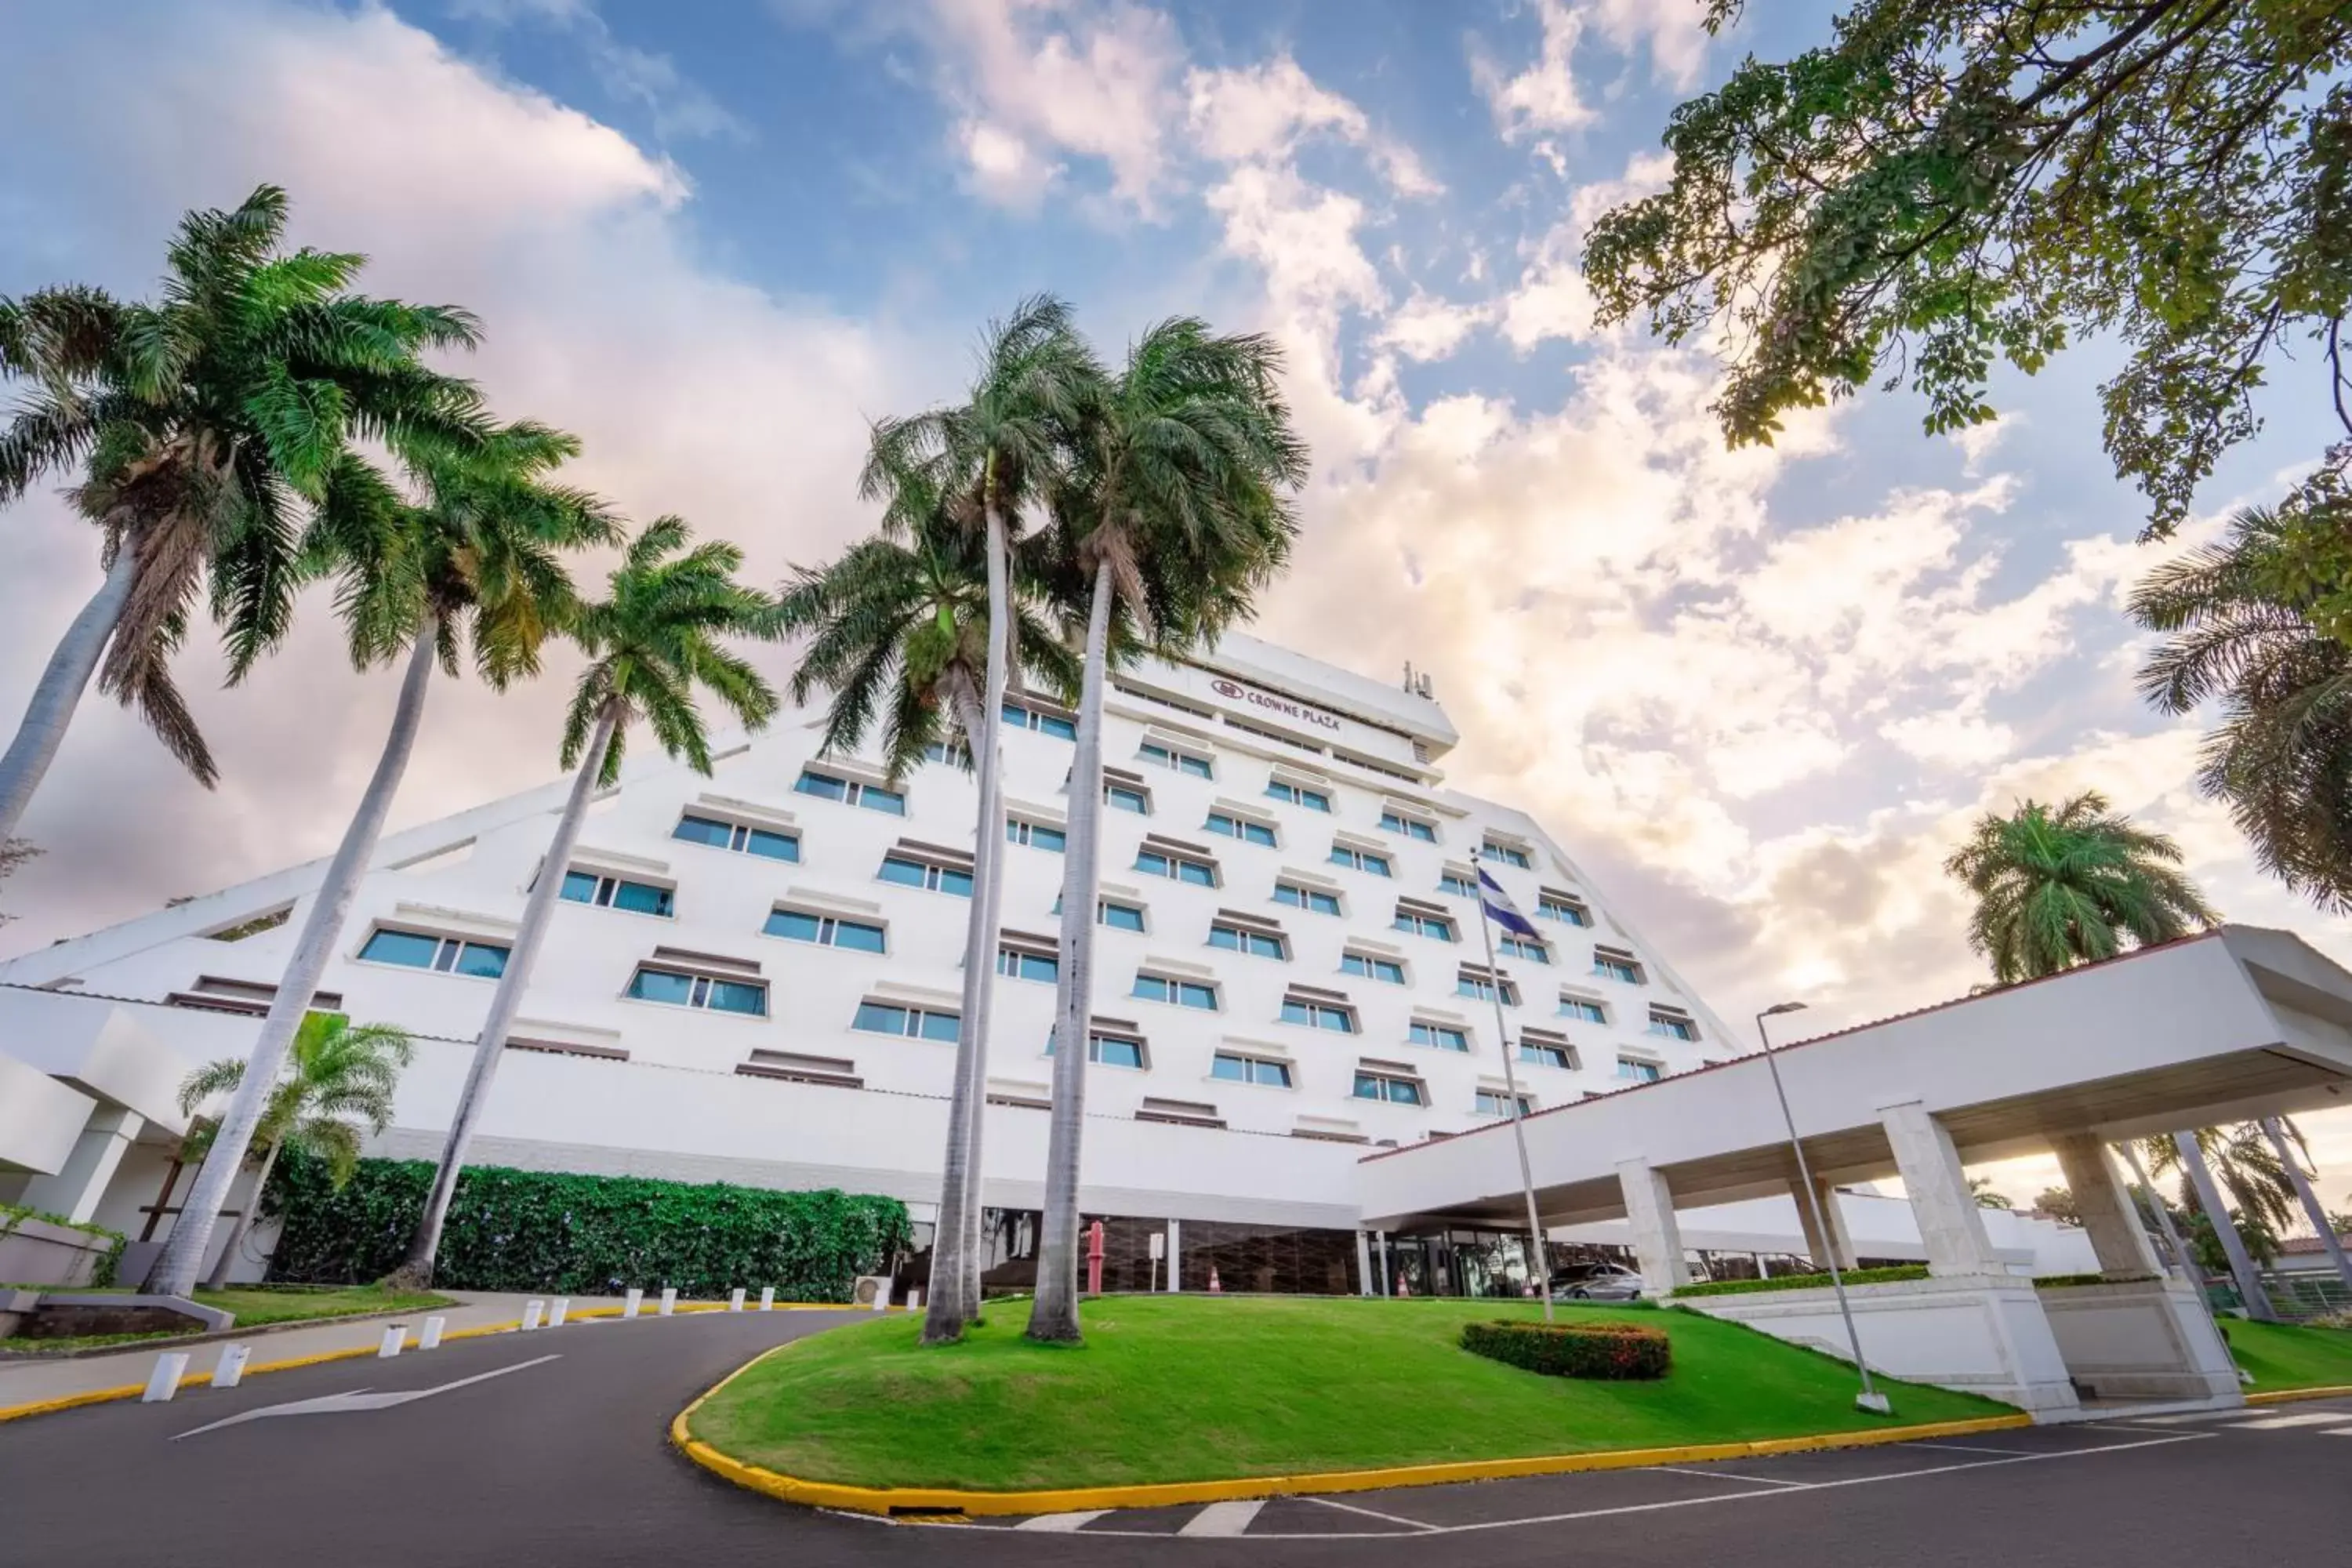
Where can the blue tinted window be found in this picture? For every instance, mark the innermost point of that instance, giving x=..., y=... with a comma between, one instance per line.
x=482, y=959
x=401, y=947
x=1122, y=917
x=638, y=897
x=1020, y=965
x=1115, y=1053
x=793, y=925
x=773, y=846
x=1059, y=728
x=876, y=1019
x=1439, y=1036
x=874, y=797
x=579, y=888
x=858, y=935
x=940, y=1026
x=1576, y=1008
x=1193, y=872
x=736, y=996
x=703, y=830
x=1125, y=799
x=907, y=873
x=825, y=787
x=661, y=985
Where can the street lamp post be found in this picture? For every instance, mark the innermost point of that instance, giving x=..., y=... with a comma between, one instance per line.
x=1869, y=1399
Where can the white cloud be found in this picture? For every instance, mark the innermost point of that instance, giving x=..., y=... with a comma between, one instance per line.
x=1674, y=32
x=1552, y=300
x=1261, y=113
x=1544, y=96
x=679, y=107
x=1428, y=328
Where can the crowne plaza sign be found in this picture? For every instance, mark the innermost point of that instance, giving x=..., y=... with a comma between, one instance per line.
x=1234, y=692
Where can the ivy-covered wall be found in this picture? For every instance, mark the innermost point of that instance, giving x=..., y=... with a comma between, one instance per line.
x=542, y=1230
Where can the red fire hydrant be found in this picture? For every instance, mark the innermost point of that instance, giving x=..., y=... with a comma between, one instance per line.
x=1093, y=1258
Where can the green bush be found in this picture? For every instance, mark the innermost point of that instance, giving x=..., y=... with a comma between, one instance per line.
x=13, y=1215
x=549, y=1230
x=1804, y=1281
x=1609, y=1352
x=2065, y=1281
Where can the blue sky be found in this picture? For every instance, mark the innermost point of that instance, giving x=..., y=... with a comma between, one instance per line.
x=1762, y=693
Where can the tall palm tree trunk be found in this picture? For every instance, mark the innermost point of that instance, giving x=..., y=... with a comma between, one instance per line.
x=2217, y=1213
x=1055, y=1317
x=415, y=1271
x=2313, y=1209
x=59, y=691
x=251, y=1212
x=955, y=1262
x=184, y=1252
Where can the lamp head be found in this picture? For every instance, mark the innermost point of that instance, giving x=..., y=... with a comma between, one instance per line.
x=1779, y=1007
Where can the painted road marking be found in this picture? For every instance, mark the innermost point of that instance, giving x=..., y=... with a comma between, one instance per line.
x=1726, y=1476
x=361, y=1399
x=1371, y=1512
x=2279, y=1423
x=1961, y=1448
x=1062, y=1524
x=1223, y=1518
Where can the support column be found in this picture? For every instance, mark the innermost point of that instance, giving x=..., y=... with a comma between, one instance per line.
x=1175, y=1256
x=2217, y=1213
x=1836, y=1246
x=78, y=1186
x=1950, y=1225
x=1657, y=1239
x=2117, y=1238
x=2313, y=1209
x=1363, y=1265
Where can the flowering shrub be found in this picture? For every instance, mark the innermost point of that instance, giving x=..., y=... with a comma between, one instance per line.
x=1610, y=1352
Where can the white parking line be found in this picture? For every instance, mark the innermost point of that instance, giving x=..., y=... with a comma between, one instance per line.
x=1726, y=1475
x=1370, y=1512
x=2281, y=1422
x=1062, y=1524
x=1958, y=1447
x=1223, y=1518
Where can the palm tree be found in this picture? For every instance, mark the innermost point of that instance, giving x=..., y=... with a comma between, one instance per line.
x=1172, y=516
x=336, y=1070
x=2237, y=628
x=2072, y=884
x=473, y=560
x=988, y=462
x=2244, y=1164
x=200, y=424
x=650, y=643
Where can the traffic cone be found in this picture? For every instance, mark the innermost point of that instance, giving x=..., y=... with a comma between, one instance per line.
x=1214, y=1287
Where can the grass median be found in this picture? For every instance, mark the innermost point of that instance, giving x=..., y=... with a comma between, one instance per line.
x=1171, y=1388
x=2283, y=1356
x=255, y=1305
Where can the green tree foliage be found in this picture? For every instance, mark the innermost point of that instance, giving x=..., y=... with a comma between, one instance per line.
x=1988, y=1196
x=2239, y=626
x=339, y=1077
x=2244, y=1166
x=546, y=1230
x=1950, y=183
x=2059, y=1203
x=2071, y=884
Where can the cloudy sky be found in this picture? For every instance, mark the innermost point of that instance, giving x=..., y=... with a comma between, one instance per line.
x=1760, y=693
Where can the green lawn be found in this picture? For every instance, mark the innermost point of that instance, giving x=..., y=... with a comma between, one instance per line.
x=255, y=1306
x=2283, y=1356
x=1186, y=1388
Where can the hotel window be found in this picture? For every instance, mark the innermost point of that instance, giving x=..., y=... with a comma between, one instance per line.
x=1422, y=922
x=852, y=791
x=1411, y=826
x=1182, y=762
x=1495, y=1102
x=793, y=1066
x=1584, y=1008
x=1673, y=1024
x=736, y=836
x=1547, y=1051
x=1562, y=908
x=1178, y=1112
x=1481, y=984
x=1240, y=827
x=1177, y=993
x=1019, y=961
x=909, y=872
x=1610, y=965
x=1638, y=1070
x=616, y=893
x=1127, y=797
x=1242, y=939
x=958, y=755
x=1459, y=886
x=677, y=988
x=1036, y=835
x=1393, y=1087
x=1372, y=966
x=1111, y=1049
x=1176, y=867
x=1235, y=1068
x=1520, y=947
x=1314, y=900
x=1299, y=794
x=1359, y=860
x=910, y=1023
x=443, y=955
x=825, y=931
x=1440, y=1036
x=1055, y=724
x=1117, y=915
x=1509, y=854
x=1314, y=1012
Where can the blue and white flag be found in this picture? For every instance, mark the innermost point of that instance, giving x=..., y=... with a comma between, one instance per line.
x=1501, y=910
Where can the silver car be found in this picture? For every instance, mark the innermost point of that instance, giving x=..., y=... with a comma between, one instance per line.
x=1596, y=1283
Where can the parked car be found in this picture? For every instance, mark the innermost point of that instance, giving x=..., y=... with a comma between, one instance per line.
x=1596, y=1283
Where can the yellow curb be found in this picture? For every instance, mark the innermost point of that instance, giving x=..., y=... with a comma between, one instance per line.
x=2289, y=1396
x=936, y=1501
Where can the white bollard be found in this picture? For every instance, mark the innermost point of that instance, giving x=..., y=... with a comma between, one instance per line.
x=393, y=1338
x=428, y=1338
x=914, y=1301
x=630, y=1303
x=530, y=1314
x=230, y=1369
x=767, y=1298
x=164, y=1381
x=668, y=1300
x=735, y=1300
x=882, y=1299
x=555, y=1313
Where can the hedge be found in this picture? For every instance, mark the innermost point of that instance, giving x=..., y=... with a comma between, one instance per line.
x=1612, y=1351
x=1804, y=1281
x=2067, y=1281
x=554, y=1231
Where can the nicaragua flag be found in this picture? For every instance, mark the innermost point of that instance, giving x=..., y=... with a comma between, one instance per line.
x=1501, y=910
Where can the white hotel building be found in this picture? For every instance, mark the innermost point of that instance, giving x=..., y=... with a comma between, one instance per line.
x=757, y=981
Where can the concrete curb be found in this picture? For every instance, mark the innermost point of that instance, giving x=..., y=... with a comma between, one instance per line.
x=355, y=1352
x=2289, y=1396
x=216, y=1336
x=947, y=1501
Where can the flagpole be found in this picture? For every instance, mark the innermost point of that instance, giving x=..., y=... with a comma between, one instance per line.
x=1540, y=1258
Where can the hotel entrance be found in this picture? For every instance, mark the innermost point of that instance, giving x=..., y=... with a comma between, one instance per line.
x=1460, y=1262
